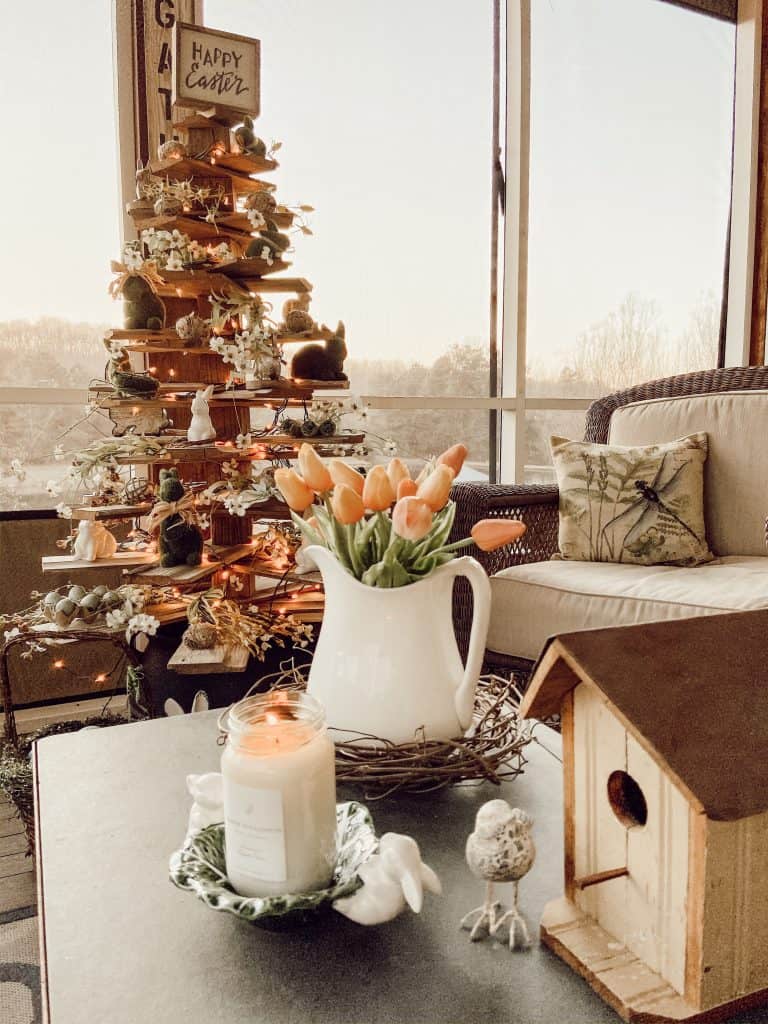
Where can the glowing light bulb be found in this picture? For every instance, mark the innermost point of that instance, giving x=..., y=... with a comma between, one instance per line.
x=58, y=664
x=101, y=678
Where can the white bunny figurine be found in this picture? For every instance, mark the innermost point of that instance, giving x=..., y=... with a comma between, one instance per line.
x=199, y=703
x=208, y=801
x=391, y=878
x=93, y=541
x=201, y=428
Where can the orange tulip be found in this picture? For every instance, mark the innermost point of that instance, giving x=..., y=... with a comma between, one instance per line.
x=347, y=505
x=411, y=518
x=406, y=488
x=397, y=471
x=378, y=492
x=454, y=457
x=341, y=473
x=437, y=486
x=314, y=470
x=294, y=489
x=490, y=534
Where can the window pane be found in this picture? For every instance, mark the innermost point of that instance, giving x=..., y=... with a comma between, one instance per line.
x=540, y=425
x=397, y=166
x=421, y=433
x=61, y=211
x=631, y=127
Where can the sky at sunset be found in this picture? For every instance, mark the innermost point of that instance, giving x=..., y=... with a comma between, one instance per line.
x=384, y=115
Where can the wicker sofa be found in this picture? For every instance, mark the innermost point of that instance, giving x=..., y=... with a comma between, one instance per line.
x=534, y=597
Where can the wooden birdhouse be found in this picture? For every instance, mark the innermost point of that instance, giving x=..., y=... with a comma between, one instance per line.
x=202, y=135
x=665, y=760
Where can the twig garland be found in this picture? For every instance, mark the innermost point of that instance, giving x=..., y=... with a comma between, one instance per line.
x=492, y=750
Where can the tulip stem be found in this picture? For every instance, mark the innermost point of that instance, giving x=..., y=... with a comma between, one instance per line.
x=456, y=546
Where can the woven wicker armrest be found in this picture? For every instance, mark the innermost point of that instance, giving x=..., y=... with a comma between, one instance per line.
x=535, y=504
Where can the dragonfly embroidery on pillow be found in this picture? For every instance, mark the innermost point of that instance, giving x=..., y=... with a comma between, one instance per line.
x=641, y=505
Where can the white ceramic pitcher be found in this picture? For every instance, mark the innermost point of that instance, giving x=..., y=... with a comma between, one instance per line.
x=387, y=662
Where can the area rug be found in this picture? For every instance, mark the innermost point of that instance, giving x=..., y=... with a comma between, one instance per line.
x=19, y=968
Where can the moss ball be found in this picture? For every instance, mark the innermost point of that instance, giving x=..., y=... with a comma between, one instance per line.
x=309, y=428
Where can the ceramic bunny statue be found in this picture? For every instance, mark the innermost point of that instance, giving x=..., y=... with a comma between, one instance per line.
x=200, y=703
x=201, y=428
x=93, y=541
x=391, y=878
x=208, y=802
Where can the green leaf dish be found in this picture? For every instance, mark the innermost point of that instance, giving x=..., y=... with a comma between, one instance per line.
x=200, y=867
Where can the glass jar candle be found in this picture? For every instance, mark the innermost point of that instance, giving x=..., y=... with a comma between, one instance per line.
x=279, y=795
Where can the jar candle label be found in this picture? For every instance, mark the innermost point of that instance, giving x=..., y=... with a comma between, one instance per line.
x=254, y=832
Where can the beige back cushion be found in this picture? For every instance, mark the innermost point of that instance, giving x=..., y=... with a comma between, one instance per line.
x=736, y=471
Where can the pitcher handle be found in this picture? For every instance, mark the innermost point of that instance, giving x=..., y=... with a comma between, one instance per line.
x=464, y=699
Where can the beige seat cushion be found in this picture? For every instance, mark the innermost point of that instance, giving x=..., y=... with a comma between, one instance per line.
x=736, y=470
x=532, y=602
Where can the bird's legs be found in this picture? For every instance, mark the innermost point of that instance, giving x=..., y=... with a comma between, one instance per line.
x=486, y=915
x=515, y=918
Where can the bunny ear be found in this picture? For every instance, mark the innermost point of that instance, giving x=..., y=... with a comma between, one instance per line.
x=413, y=891
x=208, y=393
x=200, y=702
x=430, y=880
x=172, y=707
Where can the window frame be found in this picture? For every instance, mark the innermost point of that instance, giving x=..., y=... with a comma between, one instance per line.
x=740, y=261
x=508, y=403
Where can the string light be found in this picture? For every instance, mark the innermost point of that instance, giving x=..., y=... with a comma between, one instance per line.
x=58, y=664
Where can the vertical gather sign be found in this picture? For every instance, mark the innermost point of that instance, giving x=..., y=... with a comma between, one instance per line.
x=216, y=72
x=153, y=25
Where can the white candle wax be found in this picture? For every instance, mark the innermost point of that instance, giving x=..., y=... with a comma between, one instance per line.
x=279, y=796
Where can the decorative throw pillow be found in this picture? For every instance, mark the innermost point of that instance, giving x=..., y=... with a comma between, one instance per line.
x=641, y=505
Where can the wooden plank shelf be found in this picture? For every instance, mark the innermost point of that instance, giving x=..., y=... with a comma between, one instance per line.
x=256, y=567
x=154, y=573
x=192, y=284
x=197, y=227
x=250, y=267
x=319, y=334
x=299, y=389
x=102, y=512
x=221, y=658
x=120, y=560
x=262, y=448
x=164, y=337
x=322, y=334
x=243, y=163
x=292, y=285
x=282, y=218
x=237, y=168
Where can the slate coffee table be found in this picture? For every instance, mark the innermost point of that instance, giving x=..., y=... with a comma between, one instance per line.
x=122, y=945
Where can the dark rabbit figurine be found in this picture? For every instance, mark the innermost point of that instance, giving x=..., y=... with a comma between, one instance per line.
x=322, y=362
x=180, y=543
x=247, y=139
x=142, y=309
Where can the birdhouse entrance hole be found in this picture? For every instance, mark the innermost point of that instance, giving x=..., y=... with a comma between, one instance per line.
x=627, y=800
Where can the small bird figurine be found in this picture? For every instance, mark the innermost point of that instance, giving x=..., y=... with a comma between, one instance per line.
x=500, y=849
x=391, y=878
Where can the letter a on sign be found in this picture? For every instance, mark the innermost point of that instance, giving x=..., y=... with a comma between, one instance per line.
x=216, y=72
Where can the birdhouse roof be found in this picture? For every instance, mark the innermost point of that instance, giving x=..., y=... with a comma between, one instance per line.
x=693, y=692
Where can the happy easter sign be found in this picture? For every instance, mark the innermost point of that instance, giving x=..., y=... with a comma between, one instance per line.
x=214, y=68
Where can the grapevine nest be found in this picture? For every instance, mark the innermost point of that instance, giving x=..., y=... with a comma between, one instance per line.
x=492, y=750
